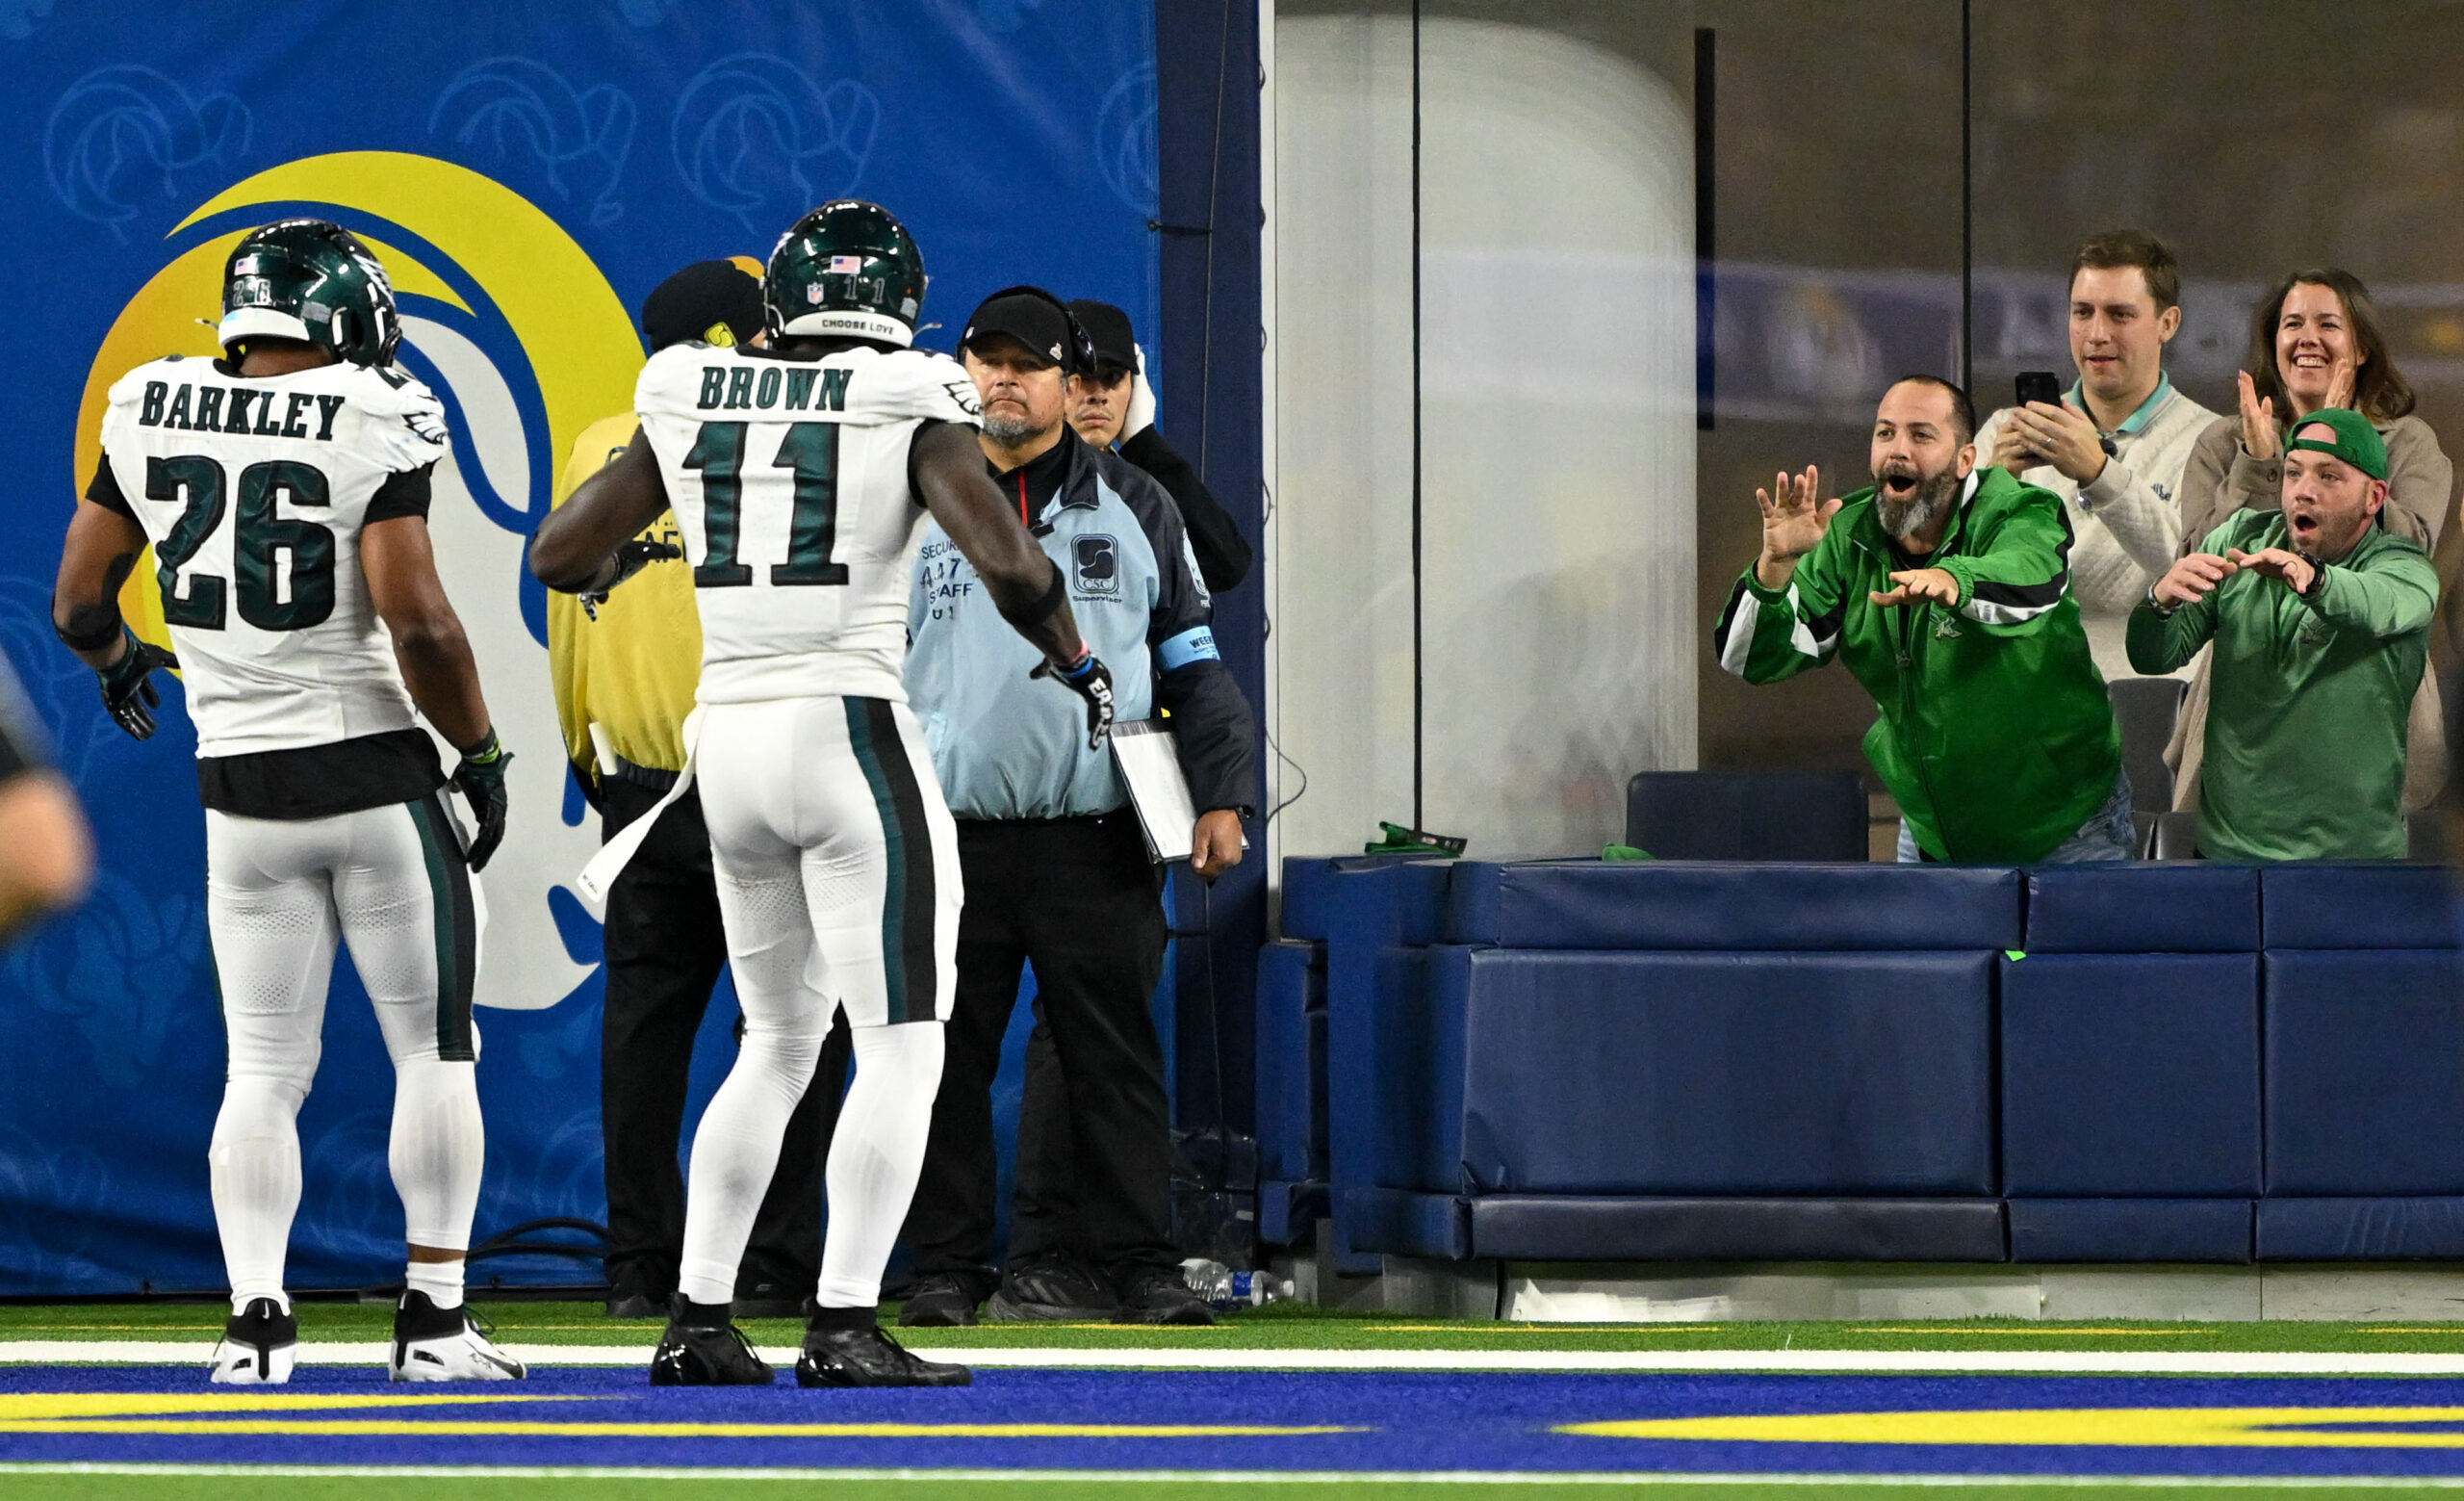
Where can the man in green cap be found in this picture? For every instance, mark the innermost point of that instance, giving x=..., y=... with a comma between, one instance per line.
x=1946, y=589
x=2321, y=620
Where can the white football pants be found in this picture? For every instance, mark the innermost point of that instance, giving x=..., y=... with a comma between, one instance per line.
x=391, y=883
x=838, y=883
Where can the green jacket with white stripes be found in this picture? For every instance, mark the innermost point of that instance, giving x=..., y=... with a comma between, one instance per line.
x=1995, y=733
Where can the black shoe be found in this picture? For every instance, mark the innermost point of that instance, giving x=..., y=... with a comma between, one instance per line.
x=632, y=1295
x=706, y=1355
x=869, y=1358
x=1056, y=1288
x=771, y=1299
x=1159, y=1295
x=636, y=1303
x=941, y=1300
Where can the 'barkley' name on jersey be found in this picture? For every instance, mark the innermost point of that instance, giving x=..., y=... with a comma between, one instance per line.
x=234, y=407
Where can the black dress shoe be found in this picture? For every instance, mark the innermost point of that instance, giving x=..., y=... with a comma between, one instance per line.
x=771, y=1299
x=1159, y=1295
x=636, y=1303
x=942, y=1300
x=703, y=1354
x=869, y=1358
x=1056, y=1288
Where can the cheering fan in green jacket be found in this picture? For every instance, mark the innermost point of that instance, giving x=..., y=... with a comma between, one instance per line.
x=1946, y=589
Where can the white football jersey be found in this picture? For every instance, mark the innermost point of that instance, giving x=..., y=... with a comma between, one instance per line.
x=789, y=483
x=254, y=492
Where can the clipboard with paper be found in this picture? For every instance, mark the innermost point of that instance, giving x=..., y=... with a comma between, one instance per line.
x=1149, y=760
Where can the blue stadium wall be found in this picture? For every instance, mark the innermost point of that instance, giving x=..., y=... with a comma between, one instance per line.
x=530, y=173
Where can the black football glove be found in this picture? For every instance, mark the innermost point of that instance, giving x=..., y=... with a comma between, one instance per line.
x=1091, y=681
x=631, y=557
x=128, y=688
x=480, y=778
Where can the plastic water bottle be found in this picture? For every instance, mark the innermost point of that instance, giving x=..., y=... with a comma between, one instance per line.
x=1225, y=1289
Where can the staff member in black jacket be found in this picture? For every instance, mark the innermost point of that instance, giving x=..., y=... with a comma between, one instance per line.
x=1112, y=405
x=1055, y=864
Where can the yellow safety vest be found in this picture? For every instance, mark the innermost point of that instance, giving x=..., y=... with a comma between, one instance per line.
x=633, y=671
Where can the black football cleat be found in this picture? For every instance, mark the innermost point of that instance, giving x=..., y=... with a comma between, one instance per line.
x=259, y=1345
x=703, y=1354
x=869, y=1357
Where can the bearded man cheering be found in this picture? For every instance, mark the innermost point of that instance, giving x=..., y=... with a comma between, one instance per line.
x=1946, y=589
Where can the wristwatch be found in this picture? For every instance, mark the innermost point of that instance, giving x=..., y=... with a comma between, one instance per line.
x=2317, y=578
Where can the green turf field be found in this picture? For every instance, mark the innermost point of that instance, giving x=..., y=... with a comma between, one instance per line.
x=1294, y=1327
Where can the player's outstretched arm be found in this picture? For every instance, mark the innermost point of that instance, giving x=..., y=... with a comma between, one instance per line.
x=437, y=665
x=946, y=467
x=577, y=550
x=102, y=548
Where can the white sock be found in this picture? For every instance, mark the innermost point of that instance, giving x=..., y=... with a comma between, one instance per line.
x=735, y=1149
x=438, y=1150
x=441, y=1280
x=254, y=1166
x=876, y=1156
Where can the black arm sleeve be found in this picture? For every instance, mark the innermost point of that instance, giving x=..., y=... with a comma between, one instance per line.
x=104, y=490
x=1218, y=738
x=1222, y=555
x=405, y=493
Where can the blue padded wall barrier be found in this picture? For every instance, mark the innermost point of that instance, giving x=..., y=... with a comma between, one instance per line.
x=2361, y=1230
x=2356, y=906
x=1290, y=976
x=2194, y=907
x=1691, y=1073
x=1528, y=1227
x=2130, y=1229
x=1679, y=905
x=2364, y=1072
x=1410, y=1225
x=1381, y=914
x=2128, y=1074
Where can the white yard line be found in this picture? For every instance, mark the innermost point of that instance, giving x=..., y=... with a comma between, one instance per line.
x=2127, y=1362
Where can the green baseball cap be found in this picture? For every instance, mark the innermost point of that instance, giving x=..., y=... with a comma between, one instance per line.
x=2357, y=443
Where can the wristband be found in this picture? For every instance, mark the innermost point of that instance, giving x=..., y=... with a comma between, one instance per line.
x=1045, y=606
x=487, y=753
x=1085, y=665
x=86, y=632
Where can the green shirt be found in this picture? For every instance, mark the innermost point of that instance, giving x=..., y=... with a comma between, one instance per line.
x=2305, y=725
x=1996, y=731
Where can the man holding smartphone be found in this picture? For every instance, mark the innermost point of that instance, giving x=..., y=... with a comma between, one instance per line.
x=2114, y=445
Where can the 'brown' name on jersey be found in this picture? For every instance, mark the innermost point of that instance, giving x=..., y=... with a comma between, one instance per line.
x=736, y=388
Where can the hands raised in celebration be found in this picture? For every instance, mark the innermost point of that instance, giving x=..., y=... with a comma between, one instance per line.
x=1792, y=523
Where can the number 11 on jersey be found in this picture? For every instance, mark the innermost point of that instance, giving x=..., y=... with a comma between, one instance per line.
x=810, y=452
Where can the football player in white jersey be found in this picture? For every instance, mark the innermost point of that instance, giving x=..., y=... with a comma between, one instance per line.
x=285, y=491
x=800, y=475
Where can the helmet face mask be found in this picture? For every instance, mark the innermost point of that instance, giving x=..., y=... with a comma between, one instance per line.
x=847, y=270
x=313, y=281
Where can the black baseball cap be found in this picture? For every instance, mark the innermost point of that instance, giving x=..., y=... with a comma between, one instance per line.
x=715, y=301
x=1034, y=321
x=1108, y=329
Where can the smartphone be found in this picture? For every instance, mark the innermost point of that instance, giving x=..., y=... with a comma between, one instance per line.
x=2039, y=385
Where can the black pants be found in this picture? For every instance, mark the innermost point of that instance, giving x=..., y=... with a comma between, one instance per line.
x=1076, y=899
x=666, y=949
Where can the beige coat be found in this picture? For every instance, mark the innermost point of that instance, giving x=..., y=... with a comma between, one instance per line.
x=2222, y=479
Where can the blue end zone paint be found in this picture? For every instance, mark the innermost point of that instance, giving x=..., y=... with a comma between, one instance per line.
x=1410, y=1422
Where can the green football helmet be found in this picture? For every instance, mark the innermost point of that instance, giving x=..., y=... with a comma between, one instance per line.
x=312, y=281
x=850, y=268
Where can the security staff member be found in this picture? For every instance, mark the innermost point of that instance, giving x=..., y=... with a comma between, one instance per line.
x=624, y=681
x=1113, y=405
x=1055, y=864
